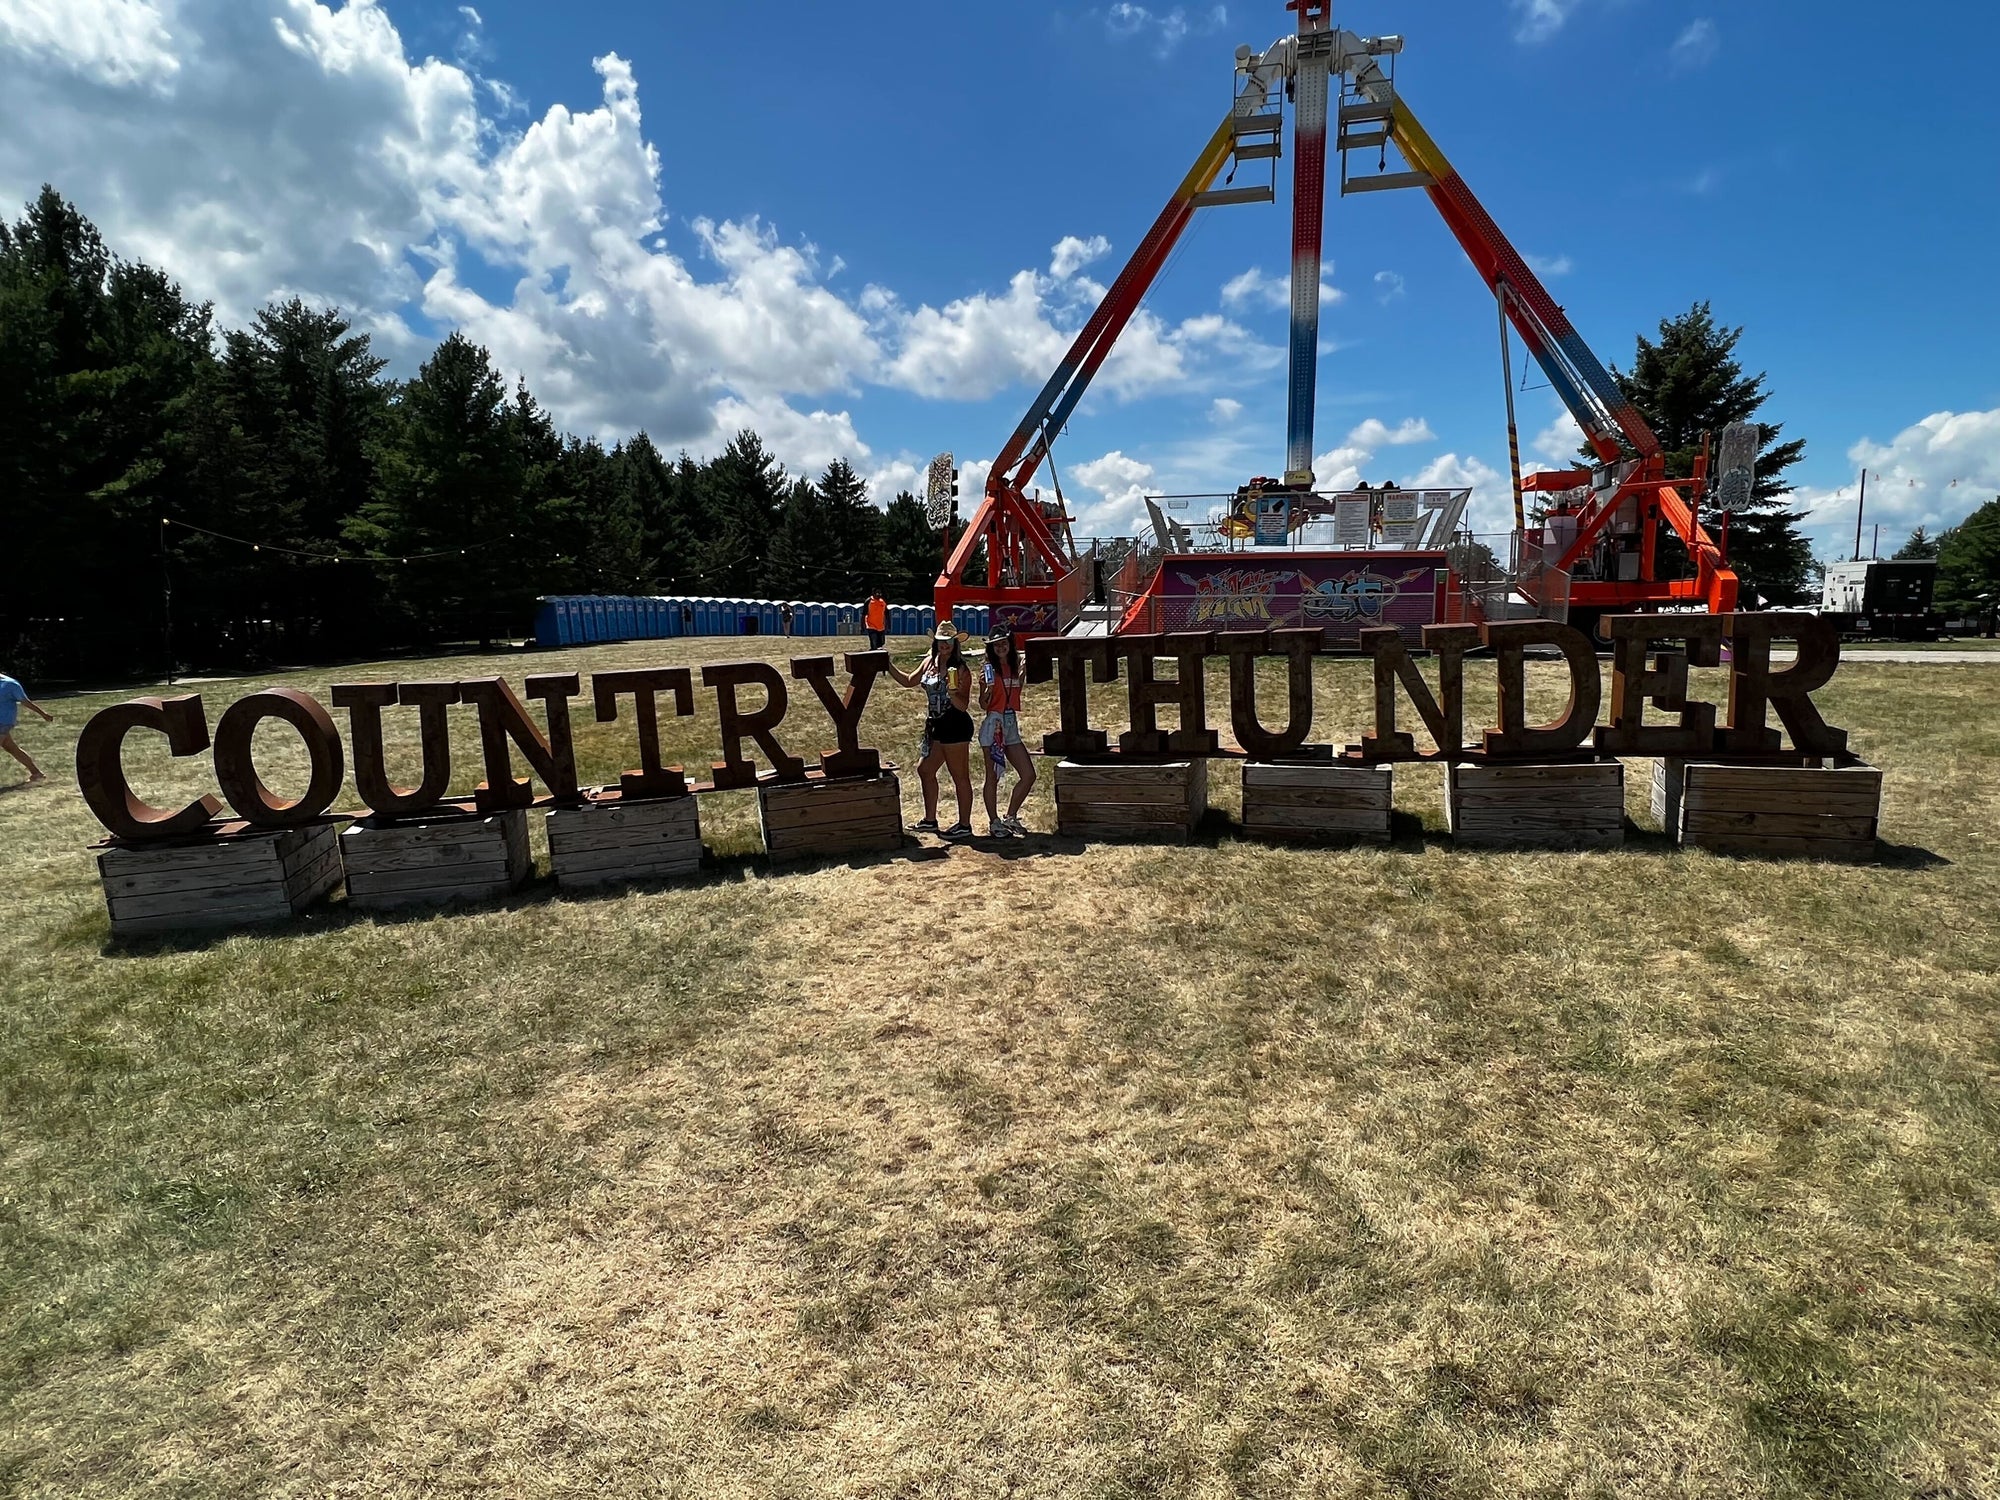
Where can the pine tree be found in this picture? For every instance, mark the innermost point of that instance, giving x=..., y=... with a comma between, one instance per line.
x=741, y=490
x=98, y=360
x=1969, y=561
x=454, y=471
x=1690, y=383
x=797, y=567
x=1918, y=546
x=854, y=565
x=911, y=551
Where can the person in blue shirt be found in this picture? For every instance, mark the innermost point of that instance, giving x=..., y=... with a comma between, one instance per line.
x=12, y=696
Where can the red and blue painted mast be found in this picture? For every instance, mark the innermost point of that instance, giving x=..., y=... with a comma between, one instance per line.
x=1310, y=80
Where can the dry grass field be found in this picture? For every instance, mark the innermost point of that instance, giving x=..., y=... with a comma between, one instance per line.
x=1026, y=1168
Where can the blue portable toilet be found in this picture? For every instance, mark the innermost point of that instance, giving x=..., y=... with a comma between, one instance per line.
x=926, y=619
x=649, y=618
x=545, y=622
x=902, y=619
x=773, y=615
x=559, y=610
x=586, y=620
x=704, y=616
x=819, y=614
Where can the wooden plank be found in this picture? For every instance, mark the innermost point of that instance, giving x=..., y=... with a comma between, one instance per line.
x=1577, y=840
x=802, y=815
x=230, y=855
x=1144, y=773
x=1780, y=778
x=309, y=883
x=373, y=853
x=1121, y=796
x=827, y=848
x=1319, y=819
x=1786, y=825
x=1266, y=775
x=262, y=901
x=1782, y=847
x=1122, y=817
x=1526, y=775
x=376, y=900
x=623, y=827
x=606, y=869
x=1369, y=799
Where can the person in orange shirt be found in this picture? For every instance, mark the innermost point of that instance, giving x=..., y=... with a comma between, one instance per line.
x=1000, y=734
x=876, y=621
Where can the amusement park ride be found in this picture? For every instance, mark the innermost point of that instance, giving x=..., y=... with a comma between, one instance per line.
x=1397, y=556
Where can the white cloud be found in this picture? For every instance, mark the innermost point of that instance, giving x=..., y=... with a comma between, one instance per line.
x=886, y=480
x=1375, y=433
x=1549, y=265
x=1163, y=29
x=1256, y=288
x=1122, y=484
x=1224, y=409
x=112, y=42
x=310, y=153
x=1538, y=20
x=1388, y=286
x=1492, y=506
x=1071, y=254
x=1931, y=474
x=1696, y=46
x=1557, y=443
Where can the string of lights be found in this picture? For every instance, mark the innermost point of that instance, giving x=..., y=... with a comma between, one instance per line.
x=338, y=557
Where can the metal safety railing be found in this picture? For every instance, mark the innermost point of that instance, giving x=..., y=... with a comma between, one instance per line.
x=1509, y=576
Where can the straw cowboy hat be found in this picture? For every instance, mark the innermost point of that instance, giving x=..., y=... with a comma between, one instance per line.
x=946, y=631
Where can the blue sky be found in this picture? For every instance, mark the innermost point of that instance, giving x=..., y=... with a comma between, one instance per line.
x=867, y=229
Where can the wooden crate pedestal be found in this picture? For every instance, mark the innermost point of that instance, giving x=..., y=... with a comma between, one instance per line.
x=819, y=817
x=1573, y=804
x=257, y=875
x=430, y=862
x=1804, y=811
x=1107, y=800
x=615, y=840
x=1300, y=800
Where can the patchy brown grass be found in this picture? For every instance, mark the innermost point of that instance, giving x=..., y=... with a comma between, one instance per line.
x=1032, y=1169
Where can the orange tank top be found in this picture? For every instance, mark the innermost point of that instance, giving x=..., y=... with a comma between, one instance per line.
x=1003, y=693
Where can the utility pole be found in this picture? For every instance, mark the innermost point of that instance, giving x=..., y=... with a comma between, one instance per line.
x=1859, y=510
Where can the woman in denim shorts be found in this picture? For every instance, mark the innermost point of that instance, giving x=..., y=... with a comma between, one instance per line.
x=1000, y=734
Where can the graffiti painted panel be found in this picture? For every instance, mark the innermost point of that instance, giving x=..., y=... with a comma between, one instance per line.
x=1344, y=592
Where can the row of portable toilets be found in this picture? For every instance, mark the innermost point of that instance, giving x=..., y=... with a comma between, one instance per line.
x=577, y=619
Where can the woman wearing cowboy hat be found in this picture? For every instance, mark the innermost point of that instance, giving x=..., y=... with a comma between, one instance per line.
x=947, y=684
x=1000, y=733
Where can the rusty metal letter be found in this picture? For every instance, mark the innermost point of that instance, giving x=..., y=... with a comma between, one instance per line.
x=645, y=684
x=364, y=702
x=1664, y=683
x=100, y=766
x=502, y=718
x=235, y=762
x=735, y=768
x=1063, y=658
x=1515, y=737
x=851, y=758
x=1753, y=686
x=1443, y=715
x=1242, y=648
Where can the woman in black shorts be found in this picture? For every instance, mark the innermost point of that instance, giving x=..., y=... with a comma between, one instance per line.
x=947, y=684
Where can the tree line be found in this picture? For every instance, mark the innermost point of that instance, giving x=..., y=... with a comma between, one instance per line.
x=266, y=494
